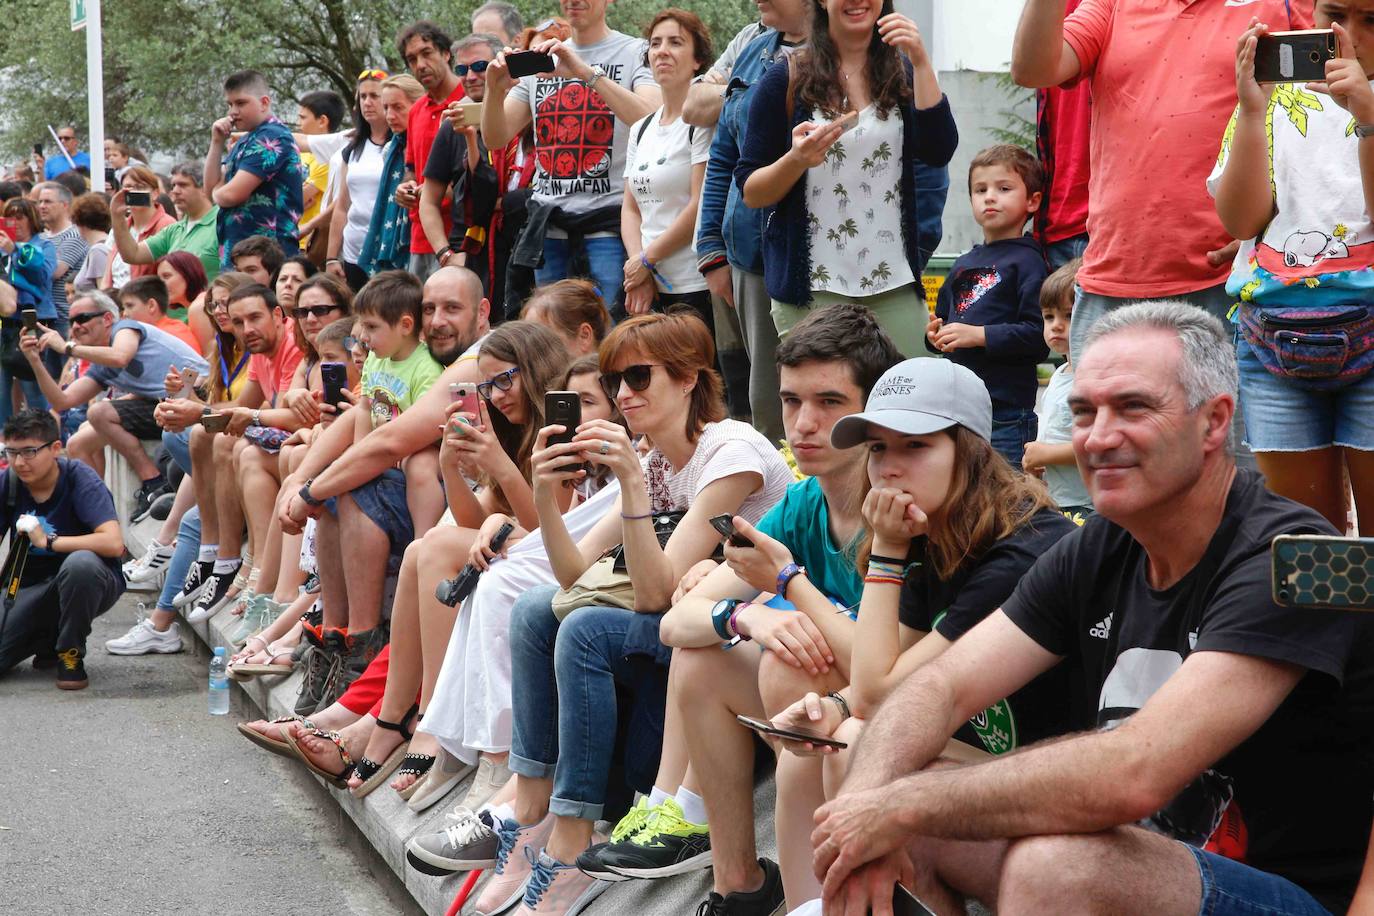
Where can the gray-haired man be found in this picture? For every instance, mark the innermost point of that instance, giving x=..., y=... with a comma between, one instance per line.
x=1210, y=715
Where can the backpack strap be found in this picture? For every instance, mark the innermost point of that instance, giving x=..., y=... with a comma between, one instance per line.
x=644, y=125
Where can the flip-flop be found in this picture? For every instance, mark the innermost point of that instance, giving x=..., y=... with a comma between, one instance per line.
x=334, y=779
x=280, y=747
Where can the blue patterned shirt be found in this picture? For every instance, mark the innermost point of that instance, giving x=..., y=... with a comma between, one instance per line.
x=269, y=152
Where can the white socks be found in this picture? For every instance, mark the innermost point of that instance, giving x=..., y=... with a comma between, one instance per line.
x=499, y=813
x=224, y=567
x=207, y=553
x=658, y=797
x=692, y=805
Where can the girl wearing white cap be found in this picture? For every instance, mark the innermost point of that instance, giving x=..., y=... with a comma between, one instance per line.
x=951, y=529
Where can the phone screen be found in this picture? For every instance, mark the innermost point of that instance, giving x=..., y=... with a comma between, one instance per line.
x=138, y=198
x=794, y=733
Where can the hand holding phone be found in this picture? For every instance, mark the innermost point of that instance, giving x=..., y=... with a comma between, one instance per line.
x=465, y=396
x=792, y=733
x=564, y=408
x=335, y=379
x=30, y=318
x=138, y=198
x=215, y=422
x=725, y=524
x=1294, y=57
x=528, y=63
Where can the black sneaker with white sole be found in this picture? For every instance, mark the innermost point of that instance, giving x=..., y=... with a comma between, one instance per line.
x=196, y=578
x=668, y=844
x=213, y=596
x=766, y=901
x=161, y=506
x=146, y=494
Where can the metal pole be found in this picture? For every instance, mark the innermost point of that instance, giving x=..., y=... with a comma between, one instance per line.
x=95, y=94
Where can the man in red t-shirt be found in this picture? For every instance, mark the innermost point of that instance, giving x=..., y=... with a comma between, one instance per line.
x=1062, y=128
x=271, y=342
x=427, y=52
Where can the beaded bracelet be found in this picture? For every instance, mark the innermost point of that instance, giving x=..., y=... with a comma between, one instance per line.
x=882, y=580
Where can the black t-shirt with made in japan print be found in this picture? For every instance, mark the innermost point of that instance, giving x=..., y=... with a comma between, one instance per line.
x=1294, y=798
x=952, y=607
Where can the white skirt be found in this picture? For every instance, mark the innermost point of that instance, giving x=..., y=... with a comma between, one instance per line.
x=470, y=711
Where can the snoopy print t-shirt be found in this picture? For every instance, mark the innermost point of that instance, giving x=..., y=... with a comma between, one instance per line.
x=1318, y=250
x=579, y=145
x=855, y=210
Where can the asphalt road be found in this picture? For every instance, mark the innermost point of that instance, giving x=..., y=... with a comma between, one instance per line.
x=129, y=798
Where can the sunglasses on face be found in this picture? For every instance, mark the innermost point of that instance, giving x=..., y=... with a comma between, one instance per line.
x=350, y=343
x=84, y=317
x=501, y=381
x=28, y=454
x=64, y=138
x=319, y=311
x=477, y=66
x=637, y=377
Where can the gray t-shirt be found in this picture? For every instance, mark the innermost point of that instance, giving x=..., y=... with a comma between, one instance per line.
x=579, y=142
x=157, y=353
x=1056, y=428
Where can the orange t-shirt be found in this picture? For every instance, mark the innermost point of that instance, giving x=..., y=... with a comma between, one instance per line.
x=180, y=330
x=1163, y=75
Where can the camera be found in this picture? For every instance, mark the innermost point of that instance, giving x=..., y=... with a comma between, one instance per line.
x=452, y=592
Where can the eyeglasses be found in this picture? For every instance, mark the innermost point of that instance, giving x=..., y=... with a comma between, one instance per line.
x=319, y=311
x=28, y=454
x=501, y=381
x=372, y=75
x=477, y=66
x=84, y=317
x=350, y=342
x=65, y=137
x=637, y=377
x=218, y=305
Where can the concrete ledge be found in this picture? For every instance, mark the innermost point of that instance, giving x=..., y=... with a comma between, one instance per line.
x=387, y=824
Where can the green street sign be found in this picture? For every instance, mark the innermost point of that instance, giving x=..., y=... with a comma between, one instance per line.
x=78, y=15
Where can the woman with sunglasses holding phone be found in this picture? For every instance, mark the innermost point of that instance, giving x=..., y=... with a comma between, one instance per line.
x=658, y=370
x=489, y=438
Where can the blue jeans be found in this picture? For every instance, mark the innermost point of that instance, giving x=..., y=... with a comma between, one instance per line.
x=605, y=263
x=33, y=395
x=188, y=548
x=1059, y=253
x=178, y=445
x=1232, y=889
x=565, y=715
x=1012, y=428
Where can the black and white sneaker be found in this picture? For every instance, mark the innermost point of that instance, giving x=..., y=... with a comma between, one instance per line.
x=213, y=596
x=667, y=844
x=146, y=494
x=469, y=842
x=146, y=569
x=199, y=574
x=161, y=506
x=766, y=901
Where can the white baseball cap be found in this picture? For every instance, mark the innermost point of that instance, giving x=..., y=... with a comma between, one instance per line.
x=920, y=396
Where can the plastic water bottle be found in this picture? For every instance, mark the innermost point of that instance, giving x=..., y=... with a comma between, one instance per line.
x=219, y=682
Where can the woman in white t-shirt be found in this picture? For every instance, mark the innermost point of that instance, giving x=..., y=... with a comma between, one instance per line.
x=665, y=165
x=567, y=673
x=359, y=176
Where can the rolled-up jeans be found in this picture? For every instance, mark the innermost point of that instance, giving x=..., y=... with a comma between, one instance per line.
x=187, y=549
x=565, y=707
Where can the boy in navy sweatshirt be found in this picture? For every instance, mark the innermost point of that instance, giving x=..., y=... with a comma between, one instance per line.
x=987, y=316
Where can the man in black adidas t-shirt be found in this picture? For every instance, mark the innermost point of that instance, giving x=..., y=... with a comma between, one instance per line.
x=1211, y=715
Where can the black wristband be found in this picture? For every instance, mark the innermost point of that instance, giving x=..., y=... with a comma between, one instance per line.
x=304, y=494
x=878, y=558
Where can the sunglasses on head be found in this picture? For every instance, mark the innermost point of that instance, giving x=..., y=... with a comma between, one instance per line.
x=319, y=311
x=28, y=454
x=637, y=377
x=477, y=66
x=350, y=342
x=84, y=317
x=372, y=75
x=501, y=381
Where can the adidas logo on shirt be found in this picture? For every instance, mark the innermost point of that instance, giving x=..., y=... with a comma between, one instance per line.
x=1103, y=628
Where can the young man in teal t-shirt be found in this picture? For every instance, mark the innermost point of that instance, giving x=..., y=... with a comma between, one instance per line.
x=827, y=364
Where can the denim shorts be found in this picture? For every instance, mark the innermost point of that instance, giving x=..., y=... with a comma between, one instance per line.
x=1230, y=888
x=1284, y=417
x=383, y=500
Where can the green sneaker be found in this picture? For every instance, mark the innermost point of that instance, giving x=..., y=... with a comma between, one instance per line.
x=634, y=821
x=667, y=844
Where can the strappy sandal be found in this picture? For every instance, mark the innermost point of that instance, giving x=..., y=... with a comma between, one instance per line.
x=280, y=747
x=269, y=668
x=372, y=773
x=417, y=765
x=337, y=780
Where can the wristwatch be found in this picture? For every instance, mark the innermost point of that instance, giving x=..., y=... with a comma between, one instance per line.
x=256, y=418
x=720, y=617
x=68, y=347
x=597, y=74
x=304, y=494
x=1364, y=130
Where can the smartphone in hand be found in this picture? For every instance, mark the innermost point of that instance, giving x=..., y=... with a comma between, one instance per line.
x=30, y=318
x=1294, y=57
x=725, y=524
x=466, y=396
x=563, y=408
x=794, y=733
x=335, y=379
x=215, y=422
x=528, y=63
x=138, y=198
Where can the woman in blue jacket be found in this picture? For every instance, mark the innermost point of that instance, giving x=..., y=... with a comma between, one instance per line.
x=26, y=264
x=835, y=171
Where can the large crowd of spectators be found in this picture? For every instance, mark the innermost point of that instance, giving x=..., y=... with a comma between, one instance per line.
x=559, y=403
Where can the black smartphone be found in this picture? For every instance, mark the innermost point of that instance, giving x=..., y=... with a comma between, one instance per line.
x=796, y=733
x=528, y=63
x=1294, y=57
x=1317, y=571
x=904, y=903
x=453, y=592
x=335, y=379
x=30, y=318
x=110, y=176
x=138, y=198
x=563, y=408
x=38, y=149
x=725, y=524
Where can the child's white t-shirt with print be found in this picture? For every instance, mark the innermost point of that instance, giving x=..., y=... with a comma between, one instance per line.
x=1319, y=247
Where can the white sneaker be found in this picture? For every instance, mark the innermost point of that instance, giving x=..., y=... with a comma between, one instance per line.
x=491, y=776
x=143, y=639
x=149, y=566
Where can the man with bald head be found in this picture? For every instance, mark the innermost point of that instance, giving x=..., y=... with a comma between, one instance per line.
x=354, y=543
